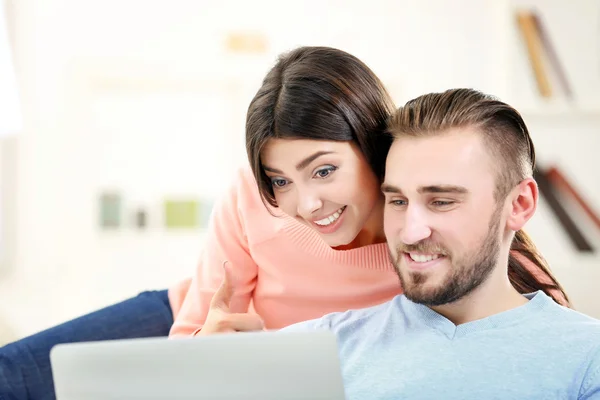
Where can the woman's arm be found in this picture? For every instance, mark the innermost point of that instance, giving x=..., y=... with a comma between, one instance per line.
x=226, y=240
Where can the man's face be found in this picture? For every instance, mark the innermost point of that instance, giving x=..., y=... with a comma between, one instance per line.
x=441, y=221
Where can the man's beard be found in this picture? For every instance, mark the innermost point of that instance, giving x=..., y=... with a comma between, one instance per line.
x=465, y=275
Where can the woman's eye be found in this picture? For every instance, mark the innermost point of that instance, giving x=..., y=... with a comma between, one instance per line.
x=278, y=182
x=325, y=172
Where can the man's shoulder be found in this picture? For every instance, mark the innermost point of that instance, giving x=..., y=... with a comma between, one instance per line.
x=576, y=332
x=569, y=317
x=352, y=320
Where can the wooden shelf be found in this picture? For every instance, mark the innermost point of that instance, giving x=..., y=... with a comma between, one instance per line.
x=559, y=112
x=557, y=108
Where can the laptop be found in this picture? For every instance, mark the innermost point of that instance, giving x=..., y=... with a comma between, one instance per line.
x=254, y=365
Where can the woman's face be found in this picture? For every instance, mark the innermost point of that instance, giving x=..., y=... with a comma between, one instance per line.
x=327, y=185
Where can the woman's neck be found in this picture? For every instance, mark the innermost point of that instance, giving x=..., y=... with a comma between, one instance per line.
x=372, y=232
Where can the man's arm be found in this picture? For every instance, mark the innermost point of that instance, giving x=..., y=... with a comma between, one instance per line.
x=590, y=388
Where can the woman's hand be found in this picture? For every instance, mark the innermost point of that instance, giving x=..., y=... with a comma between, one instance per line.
x=220, y=319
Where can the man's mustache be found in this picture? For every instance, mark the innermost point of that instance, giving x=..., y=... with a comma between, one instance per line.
x=426, y=247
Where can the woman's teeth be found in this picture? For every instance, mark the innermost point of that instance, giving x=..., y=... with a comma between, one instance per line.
x=332, y=218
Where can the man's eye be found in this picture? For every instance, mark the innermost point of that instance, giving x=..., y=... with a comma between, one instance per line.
x=442, y=203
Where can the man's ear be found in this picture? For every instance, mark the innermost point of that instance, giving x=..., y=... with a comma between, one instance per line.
x=524, y=198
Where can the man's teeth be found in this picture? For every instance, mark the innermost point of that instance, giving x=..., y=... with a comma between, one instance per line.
x=331, y=219
x=423, y=257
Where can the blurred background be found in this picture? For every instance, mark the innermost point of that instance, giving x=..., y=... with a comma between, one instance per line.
x=122, y=120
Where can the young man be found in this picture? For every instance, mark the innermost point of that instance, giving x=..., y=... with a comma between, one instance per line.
x=458, y=187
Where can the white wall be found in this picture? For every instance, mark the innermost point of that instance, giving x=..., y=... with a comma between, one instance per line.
x=130, y=94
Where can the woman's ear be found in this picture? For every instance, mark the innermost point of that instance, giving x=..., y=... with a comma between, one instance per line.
x=524, y=198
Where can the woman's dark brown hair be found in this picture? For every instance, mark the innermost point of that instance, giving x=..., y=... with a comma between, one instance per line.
x=319, y=93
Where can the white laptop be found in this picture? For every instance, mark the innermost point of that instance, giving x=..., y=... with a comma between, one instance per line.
x=259, y=365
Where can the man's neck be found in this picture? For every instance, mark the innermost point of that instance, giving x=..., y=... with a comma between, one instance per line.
x=494, y=296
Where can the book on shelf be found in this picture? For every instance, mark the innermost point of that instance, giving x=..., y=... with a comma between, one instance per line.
x=540, y=49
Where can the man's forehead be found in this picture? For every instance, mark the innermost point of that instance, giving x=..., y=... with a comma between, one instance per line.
x=452, y=158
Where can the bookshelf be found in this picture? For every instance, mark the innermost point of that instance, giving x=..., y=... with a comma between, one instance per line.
x=560, y=110
x=554, y=70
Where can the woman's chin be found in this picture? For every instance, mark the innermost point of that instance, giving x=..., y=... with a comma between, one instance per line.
x=341, y=241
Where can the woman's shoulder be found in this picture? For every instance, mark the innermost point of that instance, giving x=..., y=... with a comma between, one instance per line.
x=259, y=220
x=244, y=194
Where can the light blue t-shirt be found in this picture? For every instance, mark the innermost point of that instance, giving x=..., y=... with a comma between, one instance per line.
x=404, y=350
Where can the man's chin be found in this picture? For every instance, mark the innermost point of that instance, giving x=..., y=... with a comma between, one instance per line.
x=421, y=297
x=426, y=293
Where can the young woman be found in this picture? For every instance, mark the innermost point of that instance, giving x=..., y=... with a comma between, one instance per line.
x=300, y=229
